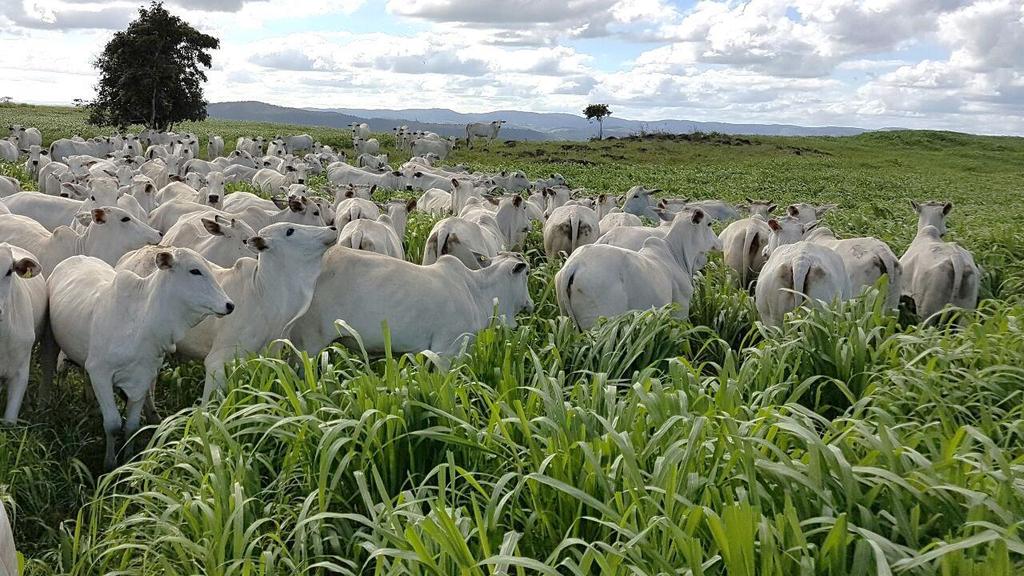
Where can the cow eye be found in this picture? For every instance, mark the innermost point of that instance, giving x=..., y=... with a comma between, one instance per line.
x=290, y=232
x=316, y=213
x=126, y=219
x=8, y=272
x=195, y=272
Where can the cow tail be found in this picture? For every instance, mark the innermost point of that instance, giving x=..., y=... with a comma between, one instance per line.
x=801, y=267
x=958, y=276
x=563, y=292
x=747, y=259
x=574, y=230
x=357, y=239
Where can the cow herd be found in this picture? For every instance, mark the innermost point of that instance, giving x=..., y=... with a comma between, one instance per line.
x=133, y=250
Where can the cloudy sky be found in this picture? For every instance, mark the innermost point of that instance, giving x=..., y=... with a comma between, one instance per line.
x=950, y=64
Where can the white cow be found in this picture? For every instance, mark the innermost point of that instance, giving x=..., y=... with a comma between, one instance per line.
x=616, y=219
x=37, y=158
x=111, y=232
x=377, y=236
x=600, y=280
x=269, y=180
x=473, y=243
x=936, y=273
x=214, y=146
x=61, y=149
x=796, y=271
x=808, y=213
x=351, y=209
x=569, y=227
x=360, y=130
x=639, y=201
x=438, y=307
x=378, y=162
x=8, y=151
x=272, y=291
x=55, y=211
x=364, y=146
x=25, y=137
x=342, y=174
x=22, y=318
x=9, y=186
x=513, y=181
x=105, y=320
x=743, y=244
x=866, y=259
x=424, y=146
x=220, y=240
x=298, y=143
x=510, y=217
x=488, y=131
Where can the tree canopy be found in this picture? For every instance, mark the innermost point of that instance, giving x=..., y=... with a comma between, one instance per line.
x=152, y=73
x=597, y=112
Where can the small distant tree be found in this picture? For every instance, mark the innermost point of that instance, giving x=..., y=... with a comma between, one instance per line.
x=598, y=112
x=152, y=73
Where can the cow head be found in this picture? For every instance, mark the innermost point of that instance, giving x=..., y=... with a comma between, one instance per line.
x=15, y=264
x=932, y=214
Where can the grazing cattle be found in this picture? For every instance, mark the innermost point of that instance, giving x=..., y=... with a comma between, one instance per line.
x=569, y=227
x=599, y=280
x=550, y=182
x=25, y=138
x=214, y=147
x=8, y=151
x=111, y=232
x=474, y=243
x=105, y=321
x=796, y=271
x=442, y=308
x=22, y=318
x=616, y=219
x=269, y=180
x=271, y=292
x=52, y=178
x=762, y=208
x=252, y=146
x=689, y=236
x=398, y=211
x=239, y=173
x=866, y=260
x=936, y=273
x=440, y=201
x=220, y=240
x=378, y=162
x=169, y=213
x=639, y=201
x=513, y=181
x=143, y=190
x=297, y=210
x=313, y=164
x=342, y=174
x=808, y=213
x=161, y=171
x=488, y=131
x=717, y=209
x=8, y=555
x=555, y=198
x=743, y=244
x=377, y=236
x=425, y=146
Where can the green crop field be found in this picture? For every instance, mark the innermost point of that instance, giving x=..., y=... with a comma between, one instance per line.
x=848, y=442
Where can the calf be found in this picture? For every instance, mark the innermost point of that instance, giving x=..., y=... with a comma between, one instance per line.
x=936, y=273
x=22, y=317
x=106, y=321
x=438, y=307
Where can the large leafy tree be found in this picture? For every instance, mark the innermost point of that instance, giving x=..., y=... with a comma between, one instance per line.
x=598, y=112
x=152, y=73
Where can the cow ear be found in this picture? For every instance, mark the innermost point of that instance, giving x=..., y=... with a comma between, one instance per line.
x=26, y=268
x=493, y=200
x=916, y=206
x=295, y=205
x=698, y=216
x=774, y=225
x=410, y=205
x=665, y=215
x=279, y=202
x=947, y=208
x=793, y=211
x=517, y=201
x=212, y=226
x=373, y=189
x=164, y=260
x=749, y=201
x=257, y=243
x=520, y=267
x=771, y=208
x=455, y=182
x=99, y=215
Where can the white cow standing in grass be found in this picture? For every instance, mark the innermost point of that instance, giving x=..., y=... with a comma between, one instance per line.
x=22, y=318
x=796, y=271
x=214, y=147
x=488, y=131
x=107, y=322
x=938, y=273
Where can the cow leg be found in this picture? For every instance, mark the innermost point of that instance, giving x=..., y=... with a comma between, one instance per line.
x=133, y=417
x=149, y=404
x=103, y=387
x=16, y=385
x=215, y=378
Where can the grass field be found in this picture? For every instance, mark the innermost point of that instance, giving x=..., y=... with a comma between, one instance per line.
x=850, y=442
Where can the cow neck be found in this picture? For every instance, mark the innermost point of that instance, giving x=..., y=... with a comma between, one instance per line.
x=160, y=308
x=486, y=286
x=676, y=236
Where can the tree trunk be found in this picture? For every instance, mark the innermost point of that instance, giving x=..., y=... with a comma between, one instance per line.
x=152, y=109
x=600, y=128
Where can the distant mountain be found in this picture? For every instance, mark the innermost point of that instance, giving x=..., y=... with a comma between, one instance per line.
x=520, y=125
